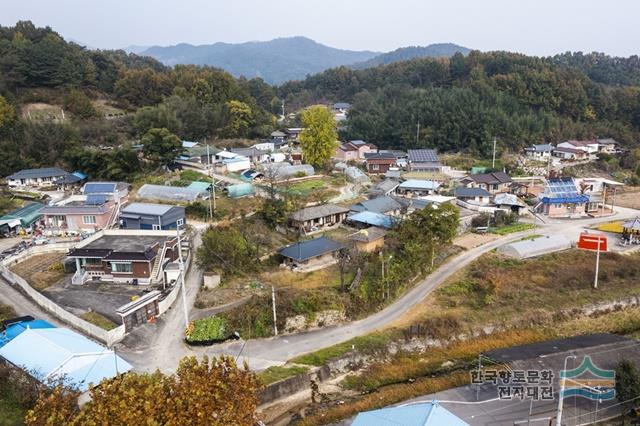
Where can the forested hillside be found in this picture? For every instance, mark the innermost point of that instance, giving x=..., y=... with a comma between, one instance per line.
x=58, y=99
x=59, y=102
x=438, y=50
x=464, y=102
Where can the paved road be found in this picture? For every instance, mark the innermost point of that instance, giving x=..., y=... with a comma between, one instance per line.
x=161, y=346
x=262, y=353
x=22, y=305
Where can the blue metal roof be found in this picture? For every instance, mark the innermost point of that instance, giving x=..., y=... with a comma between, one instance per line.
x=62, y=353
x=15, y=330
x=423, y=414
x=305, y=250
x=374, y=219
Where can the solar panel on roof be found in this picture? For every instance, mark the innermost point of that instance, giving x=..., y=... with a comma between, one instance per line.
x=97, y=188
x=423, y=155
x=96, y=199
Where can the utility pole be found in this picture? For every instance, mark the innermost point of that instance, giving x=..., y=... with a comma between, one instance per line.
x=182, y=281
x=561, y=395
x=283, y=109
x=479, y=369
x=212, y=193
x=493, y=163
x=273, y=301
x=595, y=280
x=418, y=134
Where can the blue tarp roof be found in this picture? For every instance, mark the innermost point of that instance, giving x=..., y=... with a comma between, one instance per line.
x=305, y=250
x=61, y=353
x=16, y=329
x=425, y=414
x=374, y=219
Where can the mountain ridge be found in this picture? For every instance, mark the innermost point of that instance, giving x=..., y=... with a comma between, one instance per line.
x=286, y=58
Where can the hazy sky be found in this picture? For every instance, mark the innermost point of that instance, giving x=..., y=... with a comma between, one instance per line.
x=540, y=27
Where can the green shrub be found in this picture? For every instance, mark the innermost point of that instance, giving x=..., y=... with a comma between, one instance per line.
x=211, y=328
x=192, y=175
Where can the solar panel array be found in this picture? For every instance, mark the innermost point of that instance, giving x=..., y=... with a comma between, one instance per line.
x=96, y=199
x=423, y=155
x=99, y=188
x=562, y=188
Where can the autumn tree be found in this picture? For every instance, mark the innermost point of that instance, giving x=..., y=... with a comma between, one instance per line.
x=161, y=146
x=240, y=119
x=319, y=137
x=206, y=392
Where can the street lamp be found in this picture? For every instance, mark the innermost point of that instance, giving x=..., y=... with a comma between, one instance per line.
x=561, y=395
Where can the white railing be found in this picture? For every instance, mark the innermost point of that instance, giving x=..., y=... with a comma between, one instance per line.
x=80, y=277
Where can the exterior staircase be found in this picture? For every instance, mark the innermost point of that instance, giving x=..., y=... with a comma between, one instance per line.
x=157, y=264
x=80, y=277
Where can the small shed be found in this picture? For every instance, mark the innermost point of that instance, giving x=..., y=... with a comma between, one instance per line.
x=368, y=240
x=140, y=311
x=536, y=246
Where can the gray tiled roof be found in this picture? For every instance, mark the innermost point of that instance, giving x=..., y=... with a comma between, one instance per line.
x=38, y=173
x=491, y=178
x=382, y=204
x=318, y=211
x=471, y=192
x=305, y=250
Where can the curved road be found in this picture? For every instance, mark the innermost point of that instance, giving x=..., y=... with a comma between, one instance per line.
x=262, y=353
x=160, y=345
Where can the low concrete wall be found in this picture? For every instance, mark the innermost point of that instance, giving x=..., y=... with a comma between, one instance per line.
x=107, y=337
x=167, y=302
x=293, y=385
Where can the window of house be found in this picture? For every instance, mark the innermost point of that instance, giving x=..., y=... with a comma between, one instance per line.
x=92, y=261
x=180, y=222
x=89, y=220
x=375, y=167
x=121, y=267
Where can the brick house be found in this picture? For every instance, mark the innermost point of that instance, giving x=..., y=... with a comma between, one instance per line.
x=379, y=162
